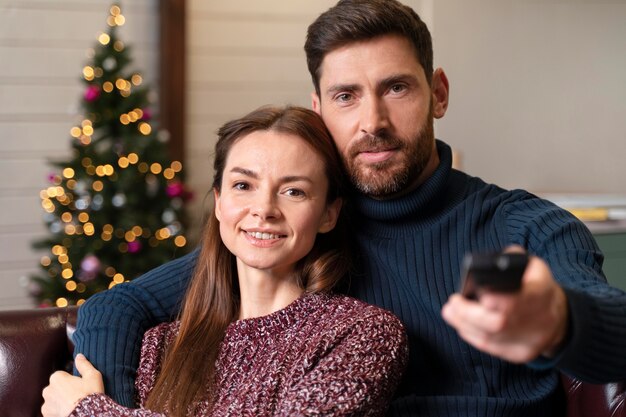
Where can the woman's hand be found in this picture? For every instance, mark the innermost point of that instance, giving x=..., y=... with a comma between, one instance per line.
x=65, y=390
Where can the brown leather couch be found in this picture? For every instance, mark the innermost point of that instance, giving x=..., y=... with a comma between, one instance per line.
x=35, y=343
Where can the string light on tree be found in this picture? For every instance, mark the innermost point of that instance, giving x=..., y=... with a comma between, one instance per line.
x=114, y=210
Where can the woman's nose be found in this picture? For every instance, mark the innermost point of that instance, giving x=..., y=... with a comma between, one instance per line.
x=265, y=207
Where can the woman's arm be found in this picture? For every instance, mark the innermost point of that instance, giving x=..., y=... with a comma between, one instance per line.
x=83, y=396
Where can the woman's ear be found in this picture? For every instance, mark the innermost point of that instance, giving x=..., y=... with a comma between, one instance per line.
x=329, y=220
x=216, y=204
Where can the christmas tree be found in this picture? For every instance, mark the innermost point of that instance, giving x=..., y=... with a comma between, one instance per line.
x=114, y=210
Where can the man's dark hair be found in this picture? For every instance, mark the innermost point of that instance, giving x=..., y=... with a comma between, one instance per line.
x=359, y=20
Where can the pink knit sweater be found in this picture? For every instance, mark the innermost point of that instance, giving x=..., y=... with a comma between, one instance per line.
x=323, y=355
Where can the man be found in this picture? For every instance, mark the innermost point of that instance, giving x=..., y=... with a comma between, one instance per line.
x=413, y=218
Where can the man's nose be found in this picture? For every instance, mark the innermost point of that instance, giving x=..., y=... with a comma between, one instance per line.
x=374, y=116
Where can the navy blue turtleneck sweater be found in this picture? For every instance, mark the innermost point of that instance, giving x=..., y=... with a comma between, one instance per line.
x=410, y=250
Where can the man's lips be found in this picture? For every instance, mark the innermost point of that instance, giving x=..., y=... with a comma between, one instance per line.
x=373, y=157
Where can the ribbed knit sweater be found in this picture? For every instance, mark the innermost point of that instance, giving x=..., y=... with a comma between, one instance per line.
x=325, y=355
x=410, y=254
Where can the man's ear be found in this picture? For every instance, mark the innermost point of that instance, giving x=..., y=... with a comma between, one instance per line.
x=316, y=104
x=216, y=204
x=440, y=91
x=329, y=220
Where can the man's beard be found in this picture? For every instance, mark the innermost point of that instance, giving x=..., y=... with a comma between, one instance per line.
x=386, y=178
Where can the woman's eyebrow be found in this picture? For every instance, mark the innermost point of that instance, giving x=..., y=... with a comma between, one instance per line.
x=244, y=171
x=287, y=178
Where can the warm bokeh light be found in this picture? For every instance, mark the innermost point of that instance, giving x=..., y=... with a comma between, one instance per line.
x=88, y=73
x=155, y=168
x=145, y=128
x=104, y=39
x=68, y=173
x=176, y=166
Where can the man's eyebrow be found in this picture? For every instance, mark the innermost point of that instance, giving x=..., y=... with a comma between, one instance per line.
x=384, y=83
x=341, y=87
x=396, y=78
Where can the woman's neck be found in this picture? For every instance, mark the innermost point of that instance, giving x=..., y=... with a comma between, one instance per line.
x=264, y=292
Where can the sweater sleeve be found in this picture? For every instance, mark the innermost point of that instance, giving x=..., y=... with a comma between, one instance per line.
x=111, y=324
x=597, y=312
x=99, y=405
x=356, y=376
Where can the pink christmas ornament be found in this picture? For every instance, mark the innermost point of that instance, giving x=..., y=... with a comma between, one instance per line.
x=177, y=189
x=89, y=268
x=147, y=114
x=92, y=93
x=134, y=246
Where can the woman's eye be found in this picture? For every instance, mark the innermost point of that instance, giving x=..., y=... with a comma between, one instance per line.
x=294, y=192
x=241, y=186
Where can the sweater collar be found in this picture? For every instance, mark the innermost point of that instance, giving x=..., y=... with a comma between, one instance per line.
x=277, y=322
x=425, y=198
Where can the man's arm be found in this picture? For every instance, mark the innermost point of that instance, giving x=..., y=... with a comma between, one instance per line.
x=111, y=324
x=519, y=326
x=566, y=315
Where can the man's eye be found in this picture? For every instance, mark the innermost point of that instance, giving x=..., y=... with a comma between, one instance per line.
x=344, y=97
x=398, y=88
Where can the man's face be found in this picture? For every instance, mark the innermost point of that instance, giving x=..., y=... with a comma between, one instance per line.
x=378, y=106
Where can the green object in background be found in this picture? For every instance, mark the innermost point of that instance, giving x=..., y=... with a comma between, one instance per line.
x=613, y=245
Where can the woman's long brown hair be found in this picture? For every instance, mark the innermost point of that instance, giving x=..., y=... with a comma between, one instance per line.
x=212, y=299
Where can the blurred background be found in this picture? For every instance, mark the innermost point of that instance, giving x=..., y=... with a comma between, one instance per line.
x=537, y=100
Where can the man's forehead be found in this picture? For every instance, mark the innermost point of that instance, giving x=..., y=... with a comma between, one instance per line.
x=367, y=61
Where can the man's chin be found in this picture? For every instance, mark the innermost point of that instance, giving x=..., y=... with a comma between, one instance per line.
x=377, y=184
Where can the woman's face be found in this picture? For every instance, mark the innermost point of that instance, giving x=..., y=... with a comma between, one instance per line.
x=272, y=202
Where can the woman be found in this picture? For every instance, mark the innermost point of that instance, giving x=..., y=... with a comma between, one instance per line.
x=259, y=333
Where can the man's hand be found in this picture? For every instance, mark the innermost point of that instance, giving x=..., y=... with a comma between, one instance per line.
x=517, y=327
x=65, y=390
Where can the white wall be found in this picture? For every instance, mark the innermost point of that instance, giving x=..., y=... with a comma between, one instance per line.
x=43, y=46
x=538, y=91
